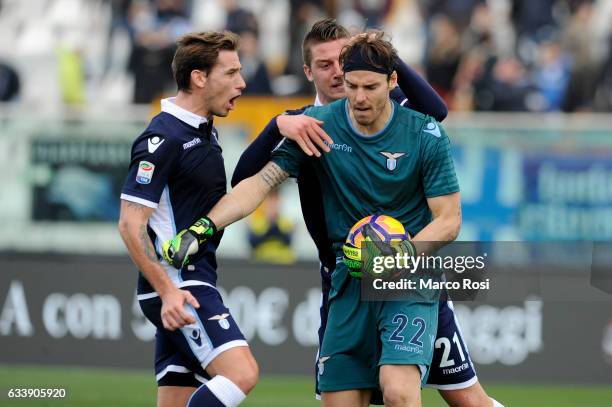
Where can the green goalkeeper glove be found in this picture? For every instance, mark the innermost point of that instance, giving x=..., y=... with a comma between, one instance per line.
x=187, y=242
x=352, y=259
x=358, y=260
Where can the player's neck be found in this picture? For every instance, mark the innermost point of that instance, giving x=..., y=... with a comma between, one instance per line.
x=377, y=125
x=321, y=100
x=192, y=103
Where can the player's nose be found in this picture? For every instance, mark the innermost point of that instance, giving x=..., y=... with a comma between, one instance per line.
x=241, y=84
x=360, y=95
x=337, y=69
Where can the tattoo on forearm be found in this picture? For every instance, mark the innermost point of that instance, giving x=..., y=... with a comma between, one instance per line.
x=136, y=206
x=273, y=175
x=147, y=246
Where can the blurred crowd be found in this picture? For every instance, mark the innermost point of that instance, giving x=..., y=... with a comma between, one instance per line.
x=480, y=55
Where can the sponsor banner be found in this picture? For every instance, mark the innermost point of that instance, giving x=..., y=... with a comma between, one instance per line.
x=81, y=310
x=490, y=179
x=538, y=341
x=79, y=179
x=520, y=194
x=567, y=197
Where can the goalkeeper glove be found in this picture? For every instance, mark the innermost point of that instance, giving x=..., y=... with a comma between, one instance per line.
x=352, y=259
x=187, y=242
x=358, y=260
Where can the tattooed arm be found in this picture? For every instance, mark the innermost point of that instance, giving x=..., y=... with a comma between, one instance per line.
x=235, y=205
x=247, y=195
x=133, y=229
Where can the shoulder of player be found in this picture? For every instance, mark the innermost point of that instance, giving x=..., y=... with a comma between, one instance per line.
x=325, y=111
x=425, y=125
x=398, y=96
x=301, y=110
x=159, y=136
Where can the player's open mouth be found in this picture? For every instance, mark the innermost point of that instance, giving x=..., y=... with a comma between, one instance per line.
x=232, y=102
x=338, y=86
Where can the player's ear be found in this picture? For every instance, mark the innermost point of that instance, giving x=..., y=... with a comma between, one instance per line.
x=393, y=80
x=308, y=73
x=198, y=78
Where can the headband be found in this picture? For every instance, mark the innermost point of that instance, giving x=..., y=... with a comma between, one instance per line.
x=355, y=61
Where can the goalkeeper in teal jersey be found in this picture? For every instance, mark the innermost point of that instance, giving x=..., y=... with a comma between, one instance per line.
x=385, y=159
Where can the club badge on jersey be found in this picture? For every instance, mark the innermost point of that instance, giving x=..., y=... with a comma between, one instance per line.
x=392, y=159
x=145, y=172
x=222, y=320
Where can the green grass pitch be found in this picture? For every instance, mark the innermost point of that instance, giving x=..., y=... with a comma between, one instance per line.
x=110, y=388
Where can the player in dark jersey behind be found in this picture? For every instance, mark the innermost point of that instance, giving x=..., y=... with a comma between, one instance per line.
x=176, y=169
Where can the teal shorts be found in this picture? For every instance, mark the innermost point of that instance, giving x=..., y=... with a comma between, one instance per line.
x=361, y=336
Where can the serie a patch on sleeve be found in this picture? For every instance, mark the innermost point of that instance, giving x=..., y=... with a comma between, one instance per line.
x=145, y=172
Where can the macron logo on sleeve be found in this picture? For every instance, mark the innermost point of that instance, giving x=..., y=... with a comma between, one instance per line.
x=196, y=336
x=153, y=144
x=433, y=129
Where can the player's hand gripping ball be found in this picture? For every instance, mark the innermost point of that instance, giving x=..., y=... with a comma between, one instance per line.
x=382, y=231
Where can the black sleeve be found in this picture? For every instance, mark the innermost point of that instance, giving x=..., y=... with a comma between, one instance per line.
x=259, y=152
x=421, y=96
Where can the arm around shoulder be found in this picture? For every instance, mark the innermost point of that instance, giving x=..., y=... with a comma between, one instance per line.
x=257, y=154
x=421, y=96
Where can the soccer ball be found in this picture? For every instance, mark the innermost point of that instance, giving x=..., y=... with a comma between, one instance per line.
x=387, y=228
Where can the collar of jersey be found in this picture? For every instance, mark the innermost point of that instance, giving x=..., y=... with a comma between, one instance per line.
x=318, y=101
x=374, y=136
x=192, y=119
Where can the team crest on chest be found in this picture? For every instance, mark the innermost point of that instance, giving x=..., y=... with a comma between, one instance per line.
x=392, y=159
